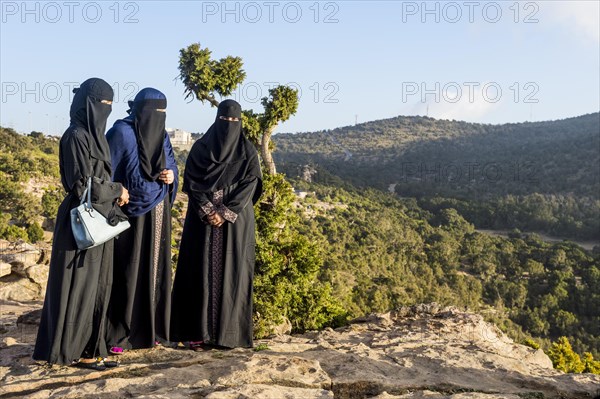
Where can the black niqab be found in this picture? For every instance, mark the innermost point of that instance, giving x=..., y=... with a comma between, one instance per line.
x=223, y=137
x=150, y=132
x=222, y=155
x=89, y=112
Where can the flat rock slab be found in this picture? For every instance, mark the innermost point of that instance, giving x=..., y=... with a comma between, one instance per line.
x=420, y=352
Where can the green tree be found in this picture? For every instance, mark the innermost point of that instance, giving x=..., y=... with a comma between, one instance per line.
x=204, y=78
x=287, y=267
x=565, y=321
x=281, y=103
x=36, y=135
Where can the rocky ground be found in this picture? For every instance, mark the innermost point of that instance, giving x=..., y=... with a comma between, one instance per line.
x=423, y=351
x=417, y=352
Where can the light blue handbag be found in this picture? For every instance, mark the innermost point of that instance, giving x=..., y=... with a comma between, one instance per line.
x=89, y=227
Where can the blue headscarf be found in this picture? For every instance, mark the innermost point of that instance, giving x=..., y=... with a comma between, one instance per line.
x=126, y=151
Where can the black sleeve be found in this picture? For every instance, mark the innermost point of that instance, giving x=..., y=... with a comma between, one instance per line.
x=77, y=168
x=238, y=199
x=172, y=165
x=105, y=191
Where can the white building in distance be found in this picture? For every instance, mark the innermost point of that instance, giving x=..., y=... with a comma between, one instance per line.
x=179, y=137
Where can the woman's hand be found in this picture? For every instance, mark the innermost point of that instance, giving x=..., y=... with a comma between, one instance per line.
x=215, y=219
x=166, y=176
x=124, y=198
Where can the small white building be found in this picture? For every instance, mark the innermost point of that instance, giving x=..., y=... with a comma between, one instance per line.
x=179, y=137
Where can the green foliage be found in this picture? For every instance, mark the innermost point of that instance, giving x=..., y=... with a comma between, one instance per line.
x=204, y=77
x=35, y=232
x=537, y=289
x=9, y=231
x=251, y=124
x=23, y=157
x=4, y=222
x=381, y=253
x=176, y=211
x=24, y=160
x=287, y=267
x=562, y=215
x=281, y=103
x=589, y=364
x=22, y=206
x=36, y=135
x=564, y=358
x=531, y=343
x=14, y=233
x=51, y=200
x=228, y=74
x=261, y=347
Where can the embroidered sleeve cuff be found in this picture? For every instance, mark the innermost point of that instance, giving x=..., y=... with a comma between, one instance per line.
x=227, y=214
x=207, y=208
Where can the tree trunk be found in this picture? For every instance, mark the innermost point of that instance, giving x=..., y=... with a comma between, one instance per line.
x=266, y=152
x=213, y=101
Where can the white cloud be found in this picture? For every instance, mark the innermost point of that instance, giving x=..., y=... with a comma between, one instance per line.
x=461, y=104
x=582, y=17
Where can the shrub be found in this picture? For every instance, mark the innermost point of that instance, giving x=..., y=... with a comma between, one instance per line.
x=564, y=358
x=35, y=232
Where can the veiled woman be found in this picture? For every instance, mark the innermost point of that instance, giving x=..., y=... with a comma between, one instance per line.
x=212, y=293
x=73, y=319
x=143, y=161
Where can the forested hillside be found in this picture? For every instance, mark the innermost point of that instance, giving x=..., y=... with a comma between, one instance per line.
x=345, y=252
x=27, y=163
x=542, y=176
x=382, y=252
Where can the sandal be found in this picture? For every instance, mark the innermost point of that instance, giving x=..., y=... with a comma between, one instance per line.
x=111, y=363
x=197, y=346
x=115, y=350
x=97, y=365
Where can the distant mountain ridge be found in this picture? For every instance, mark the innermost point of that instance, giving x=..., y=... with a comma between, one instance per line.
x=424, y=124
x=568, y=147
x=535, y=176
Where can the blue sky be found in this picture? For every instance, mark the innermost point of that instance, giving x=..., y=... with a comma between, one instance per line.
x=479, y=61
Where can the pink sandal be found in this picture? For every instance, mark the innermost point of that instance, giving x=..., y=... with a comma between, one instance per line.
x=115, y=350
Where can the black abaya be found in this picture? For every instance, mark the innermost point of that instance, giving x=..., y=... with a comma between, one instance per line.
x=142, y=281
x=74, y=313
x=212, y=292
x=79, y=282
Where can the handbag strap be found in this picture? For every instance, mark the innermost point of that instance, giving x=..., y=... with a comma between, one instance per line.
x=86, y=197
